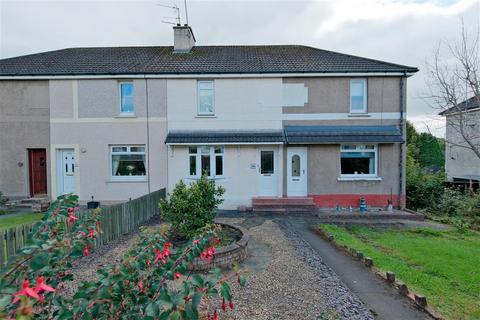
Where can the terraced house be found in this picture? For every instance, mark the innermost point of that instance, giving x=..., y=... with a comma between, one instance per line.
x=282, y=122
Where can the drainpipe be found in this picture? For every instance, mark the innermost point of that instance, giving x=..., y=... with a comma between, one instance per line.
x=148, y=142
x=400, y=162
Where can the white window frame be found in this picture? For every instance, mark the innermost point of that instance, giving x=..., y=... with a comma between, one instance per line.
x=358, y=148
x=125, y=113
x=198, y=161
x=365, y=90
x=128, y=152
x=199, y=112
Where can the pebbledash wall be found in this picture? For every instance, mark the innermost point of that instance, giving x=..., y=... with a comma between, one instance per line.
x=85, y=117
x=24, y=124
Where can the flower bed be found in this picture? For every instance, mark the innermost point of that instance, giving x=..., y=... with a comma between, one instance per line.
x=225, y=257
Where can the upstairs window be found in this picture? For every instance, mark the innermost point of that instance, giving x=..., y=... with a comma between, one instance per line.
x=205, y=160
x=358, y=96
x=126, y=98
x=128, y=162
x=358, y=160
x=206, y=98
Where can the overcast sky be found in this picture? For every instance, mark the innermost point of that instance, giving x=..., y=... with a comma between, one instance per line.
x=404, y=32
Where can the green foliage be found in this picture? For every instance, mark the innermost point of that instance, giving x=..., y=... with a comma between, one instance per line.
x=424, y=189
x=440, y=264
x=3, y=200
x=151, y=282
x=192, y=207
x=426, y=149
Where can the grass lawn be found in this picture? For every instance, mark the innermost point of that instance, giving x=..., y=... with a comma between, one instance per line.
x=28, y=218
x=442, y=265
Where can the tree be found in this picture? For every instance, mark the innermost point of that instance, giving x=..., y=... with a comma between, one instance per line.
x=454, y=84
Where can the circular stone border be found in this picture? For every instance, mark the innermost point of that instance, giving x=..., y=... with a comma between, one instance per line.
x=224, y=257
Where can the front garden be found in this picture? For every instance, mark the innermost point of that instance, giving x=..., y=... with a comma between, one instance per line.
x=442, y=265
x=152, y=281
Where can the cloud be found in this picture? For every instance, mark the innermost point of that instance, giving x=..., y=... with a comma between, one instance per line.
x=404, y=32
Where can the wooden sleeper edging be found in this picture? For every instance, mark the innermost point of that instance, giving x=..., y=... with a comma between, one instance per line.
x=419, y=300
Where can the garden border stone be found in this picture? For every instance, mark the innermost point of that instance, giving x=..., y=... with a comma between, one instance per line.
x=225, y=257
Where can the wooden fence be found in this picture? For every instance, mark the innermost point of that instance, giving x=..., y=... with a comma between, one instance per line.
x=117, y=220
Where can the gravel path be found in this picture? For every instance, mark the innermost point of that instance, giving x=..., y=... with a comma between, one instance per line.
x=284, y=289
x=338, y=296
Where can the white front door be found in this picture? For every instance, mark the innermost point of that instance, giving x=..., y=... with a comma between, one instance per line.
x=65, y=171
x=267, y=172
x=297, y=180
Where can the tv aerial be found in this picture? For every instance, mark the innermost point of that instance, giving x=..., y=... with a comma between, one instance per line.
x=176, y=9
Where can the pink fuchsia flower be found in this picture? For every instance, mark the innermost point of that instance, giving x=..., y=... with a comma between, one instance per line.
x=196, y=241
x=176, y=275
x=140, y=285
x=91, y=233
x=42, y=286
x=224, y=305
x=85, y=251
x=232, y=306
x=26, y=291
x=215, y=315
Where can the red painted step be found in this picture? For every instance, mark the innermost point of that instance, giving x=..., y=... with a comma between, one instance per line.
x=283, y=204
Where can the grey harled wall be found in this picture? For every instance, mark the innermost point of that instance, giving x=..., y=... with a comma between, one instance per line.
x=332, y=95
x=101, y=98
x=24, y=123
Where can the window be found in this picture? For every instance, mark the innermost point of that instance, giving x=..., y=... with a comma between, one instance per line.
x=128, y=162
x=206, y=160
x=358, y=160
x=358, y=96
x=267, y=162
x=126, y=98
x=206, y=99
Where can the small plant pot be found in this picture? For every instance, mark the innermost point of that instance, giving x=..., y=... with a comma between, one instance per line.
x=93, y=204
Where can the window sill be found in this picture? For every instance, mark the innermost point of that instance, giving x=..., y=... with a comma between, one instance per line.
x=126, y=115
x=359, y=179
x=223, y=178
x=205, y=116
x=127, y=180
x=359, y=115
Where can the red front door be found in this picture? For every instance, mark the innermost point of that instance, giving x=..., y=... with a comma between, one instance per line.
x=37, y=159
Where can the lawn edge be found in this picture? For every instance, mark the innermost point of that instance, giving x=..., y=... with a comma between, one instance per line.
x=420, y=301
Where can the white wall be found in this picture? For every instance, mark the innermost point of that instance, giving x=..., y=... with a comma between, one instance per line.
x=240, y=170
x=240, y=104
x=91, y=136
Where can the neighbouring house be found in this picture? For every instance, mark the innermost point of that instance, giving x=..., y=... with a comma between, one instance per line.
x=272, y=121
x=462, y=165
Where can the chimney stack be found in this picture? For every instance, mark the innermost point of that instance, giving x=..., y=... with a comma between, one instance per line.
x=183, y=39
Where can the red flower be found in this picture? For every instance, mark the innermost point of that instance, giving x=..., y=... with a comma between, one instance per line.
x=42, y=286
x=91, y=233
x=26, y=291
x=71, y=217
x=231, y=304
x=215, y=315
x=85, y=251
x=148, y=263
x=140, y=285
x=224, y=305
x=176, y=275
x=196, y=241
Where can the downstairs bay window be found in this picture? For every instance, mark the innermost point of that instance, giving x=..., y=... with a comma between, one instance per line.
x=358, y=161
x=205, y=160
x=128, y=162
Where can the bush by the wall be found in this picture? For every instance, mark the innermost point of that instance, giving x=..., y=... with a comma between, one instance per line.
x=191, y=207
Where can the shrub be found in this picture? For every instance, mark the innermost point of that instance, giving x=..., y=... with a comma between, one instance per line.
x=191, y=207
x=151, y=282
x=424, y=189
x=3, y=200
